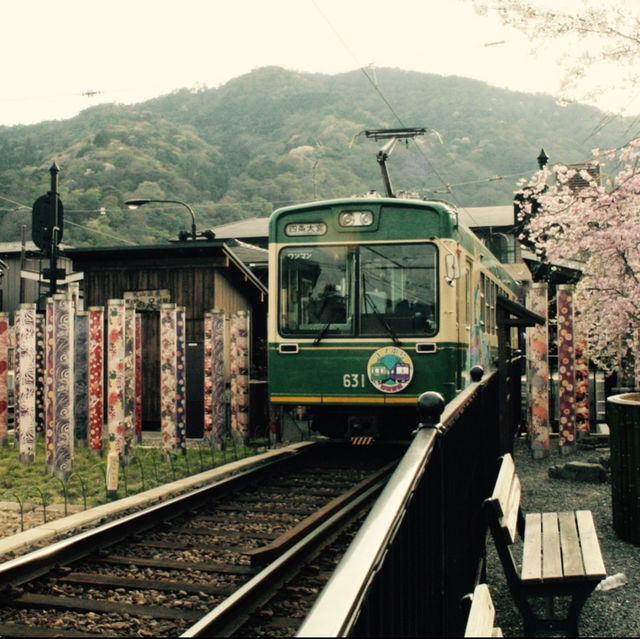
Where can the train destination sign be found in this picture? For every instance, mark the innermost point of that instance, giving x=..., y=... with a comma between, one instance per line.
x=298, y=229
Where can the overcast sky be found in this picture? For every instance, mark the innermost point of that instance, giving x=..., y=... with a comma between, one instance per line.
x=55, y=52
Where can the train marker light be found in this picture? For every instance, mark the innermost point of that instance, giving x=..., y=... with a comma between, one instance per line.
x=355, y=218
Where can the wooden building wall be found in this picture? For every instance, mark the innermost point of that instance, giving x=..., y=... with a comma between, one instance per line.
x=32, y=290
x=199, y=284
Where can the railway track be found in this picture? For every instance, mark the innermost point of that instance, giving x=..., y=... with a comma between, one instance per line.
x=211, y=562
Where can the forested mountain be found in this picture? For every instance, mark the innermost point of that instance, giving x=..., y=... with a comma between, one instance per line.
x=274, y=137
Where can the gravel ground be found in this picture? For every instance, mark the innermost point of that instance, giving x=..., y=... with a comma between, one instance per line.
x=611, y=613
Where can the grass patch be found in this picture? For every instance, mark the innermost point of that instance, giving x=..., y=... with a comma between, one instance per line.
x=86, y=486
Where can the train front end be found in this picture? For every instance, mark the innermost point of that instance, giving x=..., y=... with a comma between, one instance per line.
x=361, y=317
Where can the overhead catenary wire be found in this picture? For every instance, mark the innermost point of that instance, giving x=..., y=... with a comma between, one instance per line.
x=20, y=206
x=376, y=87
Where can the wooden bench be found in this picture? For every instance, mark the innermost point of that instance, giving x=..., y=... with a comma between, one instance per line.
x=482, y=614
x=560, y=555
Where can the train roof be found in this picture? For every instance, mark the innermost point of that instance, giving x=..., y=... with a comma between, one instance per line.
x=256, y=229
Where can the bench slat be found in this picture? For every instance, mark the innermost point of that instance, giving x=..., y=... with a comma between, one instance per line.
x=551, y=557
x=532, y=550
x=571, y=552
x=503, y=482
x=510, y=520
x=482, y=613
x=591, y=554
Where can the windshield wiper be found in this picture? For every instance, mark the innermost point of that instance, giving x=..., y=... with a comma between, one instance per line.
x=322, y=333
x=369, y=302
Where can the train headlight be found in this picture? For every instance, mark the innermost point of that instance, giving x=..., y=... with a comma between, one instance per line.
x=355, y=218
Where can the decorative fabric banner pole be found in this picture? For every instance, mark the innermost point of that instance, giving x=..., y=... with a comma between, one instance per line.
x=81, y=377
x=138, y=356
x=181, y=397
x=168, y=383
x=49, y=386
x=17, y=320
x=566, y=369
x=63, y=386
x=115, y=373
x=40, y=374
x=583, y=424
x=130, y=435
x=207, y=377
x=538, y=374
x=96, y=379
x=25, y=400
x=219, y=400
x=239, y=356
x=4, y=379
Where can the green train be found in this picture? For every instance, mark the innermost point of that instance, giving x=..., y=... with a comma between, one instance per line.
x=374, y=300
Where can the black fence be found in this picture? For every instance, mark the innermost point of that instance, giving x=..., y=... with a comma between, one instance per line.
x=422, y=547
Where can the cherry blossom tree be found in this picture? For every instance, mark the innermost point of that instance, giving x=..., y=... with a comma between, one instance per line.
x=594, y=218
x=592, y=37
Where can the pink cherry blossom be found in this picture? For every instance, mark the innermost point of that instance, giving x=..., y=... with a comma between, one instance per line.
x=596, y=226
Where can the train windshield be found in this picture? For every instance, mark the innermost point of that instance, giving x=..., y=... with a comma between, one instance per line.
x=369, y=290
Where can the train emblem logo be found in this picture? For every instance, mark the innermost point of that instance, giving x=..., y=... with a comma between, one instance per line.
x=390, y=369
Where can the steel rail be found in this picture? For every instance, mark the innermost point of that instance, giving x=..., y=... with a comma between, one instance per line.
x=39, y=562
x=232, y=613
x=337, y=608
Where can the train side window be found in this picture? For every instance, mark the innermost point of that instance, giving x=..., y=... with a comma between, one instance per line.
x=483, y=308
x=467, y=291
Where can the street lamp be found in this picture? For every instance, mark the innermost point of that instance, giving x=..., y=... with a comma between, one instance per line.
x=134, y=204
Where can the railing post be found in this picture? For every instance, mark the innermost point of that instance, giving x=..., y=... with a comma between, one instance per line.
x=430, y=408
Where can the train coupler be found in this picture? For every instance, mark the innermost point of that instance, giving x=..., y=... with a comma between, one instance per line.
x=362, y=431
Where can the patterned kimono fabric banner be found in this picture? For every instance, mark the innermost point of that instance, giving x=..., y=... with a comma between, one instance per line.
x=538, y=374
x=16, y=377
x=168, y=381
x=566, y=369
x=207, y=376
x=4, y=379
x=81, y=355
x=115, y=373
x=219, y=402
x=583, y=424
x=63, y=386
x=239, y=360
x=181, y=365
x=40, y=374
x=130, y=435
x=96, y=379
x=49, y=386
x=138, y=364
x=25, y=400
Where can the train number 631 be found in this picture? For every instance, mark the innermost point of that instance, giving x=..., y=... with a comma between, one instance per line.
x=353, y=380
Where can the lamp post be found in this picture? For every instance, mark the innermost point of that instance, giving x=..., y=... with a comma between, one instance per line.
x=134, y=204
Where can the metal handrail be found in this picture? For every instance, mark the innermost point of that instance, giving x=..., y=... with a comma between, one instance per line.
x=338, y=606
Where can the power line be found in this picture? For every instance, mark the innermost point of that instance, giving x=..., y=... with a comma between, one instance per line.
x=377, y=89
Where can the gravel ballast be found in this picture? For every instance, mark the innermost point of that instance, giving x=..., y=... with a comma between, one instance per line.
x=607, y=613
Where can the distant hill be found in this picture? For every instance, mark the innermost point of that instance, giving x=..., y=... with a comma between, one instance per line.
x=273, y=137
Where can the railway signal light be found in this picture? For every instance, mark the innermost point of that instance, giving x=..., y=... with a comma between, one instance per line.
x=44, y=219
